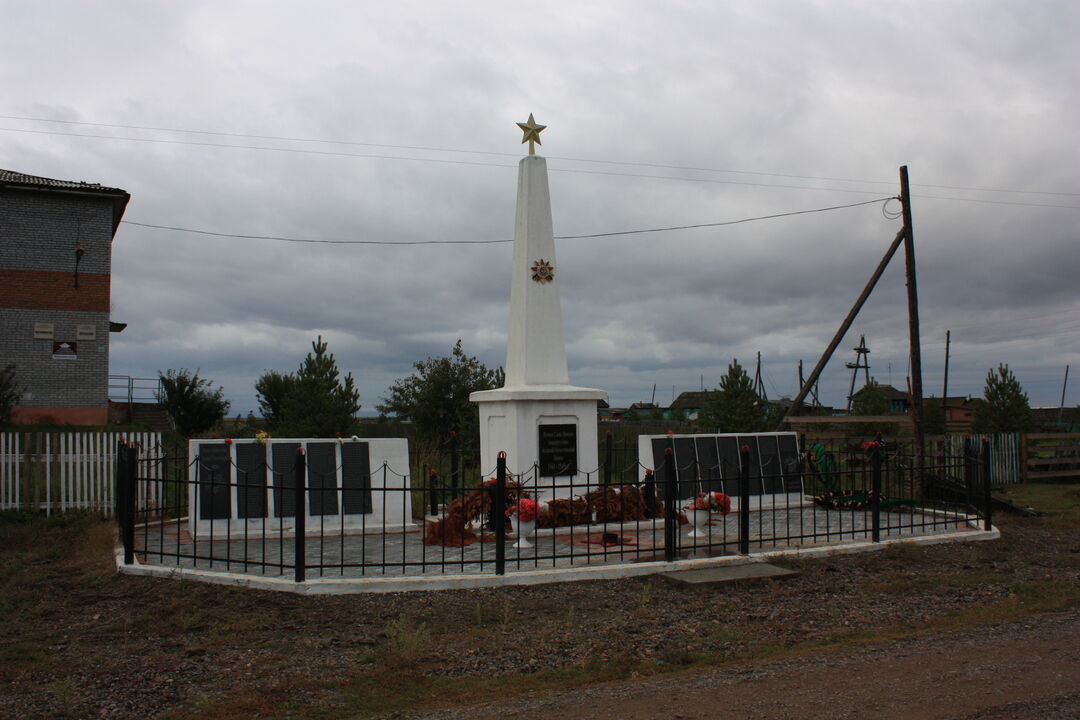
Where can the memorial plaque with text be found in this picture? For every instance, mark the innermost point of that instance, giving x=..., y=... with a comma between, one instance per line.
x=558, y=449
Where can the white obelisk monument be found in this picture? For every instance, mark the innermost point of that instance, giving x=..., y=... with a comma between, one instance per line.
x=545, y=425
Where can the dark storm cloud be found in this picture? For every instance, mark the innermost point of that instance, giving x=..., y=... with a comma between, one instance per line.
x=969, y=95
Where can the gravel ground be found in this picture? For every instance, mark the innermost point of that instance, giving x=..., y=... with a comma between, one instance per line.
x=80, y=641
x=1028, y=669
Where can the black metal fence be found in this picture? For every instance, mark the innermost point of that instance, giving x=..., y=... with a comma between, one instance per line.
x=302, y=523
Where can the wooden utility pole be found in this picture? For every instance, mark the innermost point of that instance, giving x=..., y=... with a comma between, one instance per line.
x=945, y=388
x=1061, y=410
x=842, y=330
x=913, y=319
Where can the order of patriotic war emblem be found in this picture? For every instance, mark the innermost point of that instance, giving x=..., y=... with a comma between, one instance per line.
x=543, y=271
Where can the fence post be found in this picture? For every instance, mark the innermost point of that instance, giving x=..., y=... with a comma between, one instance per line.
x=121, y=500
x=1023, y=457
x=299, y=515
x=987, y=500
x=433, y=494
x=671, y=519
x=609, y=454
x=875, y=493
x=744, y=500
x=498, y=515
x=454, y=466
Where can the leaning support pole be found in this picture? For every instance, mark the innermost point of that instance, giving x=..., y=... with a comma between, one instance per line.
x=844, y=326
x=913, y=322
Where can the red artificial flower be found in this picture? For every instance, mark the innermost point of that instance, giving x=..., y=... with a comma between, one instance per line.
x=527, y=510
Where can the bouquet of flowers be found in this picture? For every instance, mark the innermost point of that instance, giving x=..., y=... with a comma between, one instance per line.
x=716, y=502
x=526, y=510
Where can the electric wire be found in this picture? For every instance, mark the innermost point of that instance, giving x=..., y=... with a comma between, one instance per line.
x=494, y=242
x=662, y=166
x=378, y=156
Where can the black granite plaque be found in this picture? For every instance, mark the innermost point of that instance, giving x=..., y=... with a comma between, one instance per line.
x=215, y=501
x=709, y=466
x=789, y=459
x=755, y=462
x=728, y=450
x=250, y=480
x=355, y=478
x=558, y=450
x=686, y=467
x=772, y=472
x=322, y=478
x=659, y=446
x=284, y=478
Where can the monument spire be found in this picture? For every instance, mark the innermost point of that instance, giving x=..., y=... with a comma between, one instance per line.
x=544, y=424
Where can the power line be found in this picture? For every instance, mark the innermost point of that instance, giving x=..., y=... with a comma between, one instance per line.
x=493, y=242
x=564, y=170
x=659, y=166
x=729, y=222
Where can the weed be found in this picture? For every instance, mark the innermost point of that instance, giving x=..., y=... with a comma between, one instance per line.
x=404, y=642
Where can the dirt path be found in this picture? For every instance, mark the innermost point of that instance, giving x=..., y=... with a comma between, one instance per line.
x=1029, y=669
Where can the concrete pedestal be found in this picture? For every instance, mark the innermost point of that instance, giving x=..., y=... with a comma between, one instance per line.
x=511, y=419
x=538, y=400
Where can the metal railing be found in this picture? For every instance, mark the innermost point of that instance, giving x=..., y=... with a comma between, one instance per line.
x=127, y=389
x=294, y=521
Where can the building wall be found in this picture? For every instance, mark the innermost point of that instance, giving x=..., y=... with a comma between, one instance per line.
x=39, y=232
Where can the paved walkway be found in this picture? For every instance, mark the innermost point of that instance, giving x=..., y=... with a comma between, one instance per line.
x=404, y=554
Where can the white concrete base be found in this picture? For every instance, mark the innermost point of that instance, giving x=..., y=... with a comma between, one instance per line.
x=528, y=577
x=510, y=421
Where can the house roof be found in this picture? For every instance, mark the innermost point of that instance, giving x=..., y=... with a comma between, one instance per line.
x=22, y=181
x=693, y=400
x=888, y=391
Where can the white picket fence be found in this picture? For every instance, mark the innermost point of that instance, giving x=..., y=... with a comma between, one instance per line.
x=55, y=472
x=1005, y=454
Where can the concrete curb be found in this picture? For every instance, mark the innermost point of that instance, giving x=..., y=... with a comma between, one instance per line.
x=347, y=586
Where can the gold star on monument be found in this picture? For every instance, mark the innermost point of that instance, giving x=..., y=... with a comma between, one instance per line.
x=532, y=133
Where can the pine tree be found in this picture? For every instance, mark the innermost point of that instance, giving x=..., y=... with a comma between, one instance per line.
x=735, y=406
x=1004, y=407
x=318, y=402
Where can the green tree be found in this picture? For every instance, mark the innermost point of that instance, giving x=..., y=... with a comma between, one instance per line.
x=871, y=400
x=191, y=401
x=317, y=401
x=436, y=397
x=1004, y=406
x=271, y=389
x=735, y=406
x=10, y=392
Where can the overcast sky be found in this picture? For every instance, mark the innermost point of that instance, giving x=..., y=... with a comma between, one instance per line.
x=395, y=122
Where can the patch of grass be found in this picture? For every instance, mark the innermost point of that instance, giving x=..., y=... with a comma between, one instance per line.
x=1048, y=498
x=404, y=642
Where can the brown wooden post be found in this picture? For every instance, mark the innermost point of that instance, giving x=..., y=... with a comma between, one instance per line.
x=913, y=320
x=793, y=411
x=1023, y=457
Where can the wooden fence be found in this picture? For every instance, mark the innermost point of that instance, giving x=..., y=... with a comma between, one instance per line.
x=60, y=471
x=1006, y=454
x=1051, y=456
